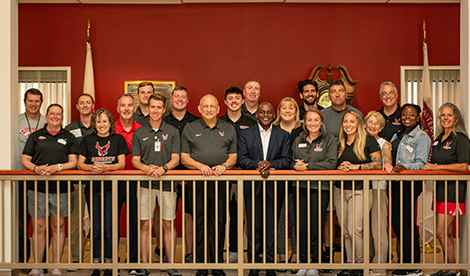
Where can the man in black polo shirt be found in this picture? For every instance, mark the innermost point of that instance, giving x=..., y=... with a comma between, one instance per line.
x=209, y=145
x=155, y=150
x=233, y=101
x=308, y=90
x=81, y=127
x=391, y=110
x=251, y=92
x=144, y=90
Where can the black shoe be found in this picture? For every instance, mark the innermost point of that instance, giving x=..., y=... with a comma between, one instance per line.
x=96, y=272
x=270, y=272
x=357, y=272
x=345, y=272
x=188, y=258
x=156, y=254
x=143, y=272
x=202, y=272
x=326, y=270
x=218, y=272
x=108, y=272
x=25, y=271
x=253, y=272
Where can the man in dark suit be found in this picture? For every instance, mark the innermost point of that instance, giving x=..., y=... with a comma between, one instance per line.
x=263, y=147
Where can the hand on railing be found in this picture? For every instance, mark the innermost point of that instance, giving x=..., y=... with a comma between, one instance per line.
x=399, y=168
x=263, y=168
x=300, y=165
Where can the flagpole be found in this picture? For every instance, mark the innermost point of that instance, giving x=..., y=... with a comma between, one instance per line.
x=88, y=32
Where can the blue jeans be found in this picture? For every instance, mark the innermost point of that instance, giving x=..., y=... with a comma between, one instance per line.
x=108, y=225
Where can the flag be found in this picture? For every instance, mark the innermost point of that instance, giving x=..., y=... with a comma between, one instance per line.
x=89, y=82
x=425, y=220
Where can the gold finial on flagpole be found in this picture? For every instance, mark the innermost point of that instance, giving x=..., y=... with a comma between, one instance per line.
x=424, y=31
x=88, y=32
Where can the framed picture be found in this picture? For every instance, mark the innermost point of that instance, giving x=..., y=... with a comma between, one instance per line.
x=161, y=87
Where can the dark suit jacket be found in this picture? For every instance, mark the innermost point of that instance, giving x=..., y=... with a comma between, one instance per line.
x=250, y=152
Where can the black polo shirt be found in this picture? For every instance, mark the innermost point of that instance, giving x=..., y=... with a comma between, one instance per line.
x=155, y=148
x=453, y=150
x=302, y=110
x=243, y=122
x=248, y=113
x=139, y=117
x=45, y=148
x=78, y=129
x=392, y=123
x=210, y=146
x=349, y=155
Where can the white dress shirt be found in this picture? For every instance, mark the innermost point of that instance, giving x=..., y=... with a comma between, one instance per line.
x=265, y=137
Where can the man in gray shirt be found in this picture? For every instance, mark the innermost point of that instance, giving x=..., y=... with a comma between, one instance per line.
x=333, y=115
x=209, y=145
x=155, y=150
x=80, y=128
x=28, y=122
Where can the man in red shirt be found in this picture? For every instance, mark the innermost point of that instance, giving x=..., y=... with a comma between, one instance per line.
x=126, y=127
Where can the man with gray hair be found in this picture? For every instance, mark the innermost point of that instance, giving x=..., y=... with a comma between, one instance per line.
x=391, y=110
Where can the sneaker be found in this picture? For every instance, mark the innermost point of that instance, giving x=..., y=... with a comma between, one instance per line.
x=233, y=257
x=312, y=272
x=345, y=272
x=132, y=271
x=96, y=272
x=188, y=258
x=326, y=270
x=156, y=254
x=417, y=272
x=439, y=273
x=143, y=272
x=301, y=272
x=399, y=272
x=448, y=273
x=378, y=272
x=108, y=272
x=73, y=269
x=36, y=272
x=56, y=272
x=173, y=272
x=357, y=272
x=218, y=272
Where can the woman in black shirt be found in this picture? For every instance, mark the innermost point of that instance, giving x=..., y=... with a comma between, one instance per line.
x=450, y=151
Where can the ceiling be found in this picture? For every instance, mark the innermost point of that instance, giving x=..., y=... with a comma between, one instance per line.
x=225, y=1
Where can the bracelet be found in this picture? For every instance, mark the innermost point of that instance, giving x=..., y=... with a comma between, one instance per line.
x=224, y=165
x=34, y=169
x=360, y=166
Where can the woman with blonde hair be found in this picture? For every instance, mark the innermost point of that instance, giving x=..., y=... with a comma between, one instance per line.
x=450, y=151
x=288, y=119
x=356, y=151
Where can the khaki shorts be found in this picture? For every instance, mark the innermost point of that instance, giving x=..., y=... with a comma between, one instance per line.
x=52, y=200
x=167, y=204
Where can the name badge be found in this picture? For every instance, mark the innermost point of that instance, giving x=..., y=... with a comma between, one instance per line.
x=302, y=145
x=409, y=149
x=76, y=132
x=62, y=141
x=435, y=143
x=158, y=146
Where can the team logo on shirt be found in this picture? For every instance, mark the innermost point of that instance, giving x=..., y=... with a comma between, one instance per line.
x=244, y=127
x=42, y=137
x=447, y=146
x=221, y=133
x=102, y=151
x=318, y=147
x=164, y=136
x=396, y=122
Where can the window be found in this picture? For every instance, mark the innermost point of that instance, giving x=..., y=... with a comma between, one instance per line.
x=54, y=83
x=445, y=85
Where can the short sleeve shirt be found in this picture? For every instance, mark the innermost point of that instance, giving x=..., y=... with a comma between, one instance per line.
x=45, y=148
x=242, y=123
x=210, y=146
x=78, y=129
x=155, y=148
x=26, y=126
x=139, y=117
x=128, y=136
x=104, y=150
x=349, y=155
x=392, y=123
x=334, y=118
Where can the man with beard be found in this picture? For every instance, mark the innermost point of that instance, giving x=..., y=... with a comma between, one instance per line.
x=308, y=90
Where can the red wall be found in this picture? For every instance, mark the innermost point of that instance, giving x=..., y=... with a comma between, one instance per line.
x=209, y=47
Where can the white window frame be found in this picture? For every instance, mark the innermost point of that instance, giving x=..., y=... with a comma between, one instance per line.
x=66, y=96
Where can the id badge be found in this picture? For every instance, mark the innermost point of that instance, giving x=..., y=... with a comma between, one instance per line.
x=409, y=148
x=158, y=146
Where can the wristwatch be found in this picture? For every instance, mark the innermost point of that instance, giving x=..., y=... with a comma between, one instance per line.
x=165, y=168
x=60, y=167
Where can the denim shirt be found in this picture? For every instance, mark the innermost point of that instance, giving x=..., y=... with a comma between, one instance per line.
x=413, y=149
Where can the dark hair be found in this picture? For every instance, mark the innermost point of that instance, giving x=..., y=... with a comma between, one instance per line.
x=54, y=104
x=337, y=82
x=158, y=97
x=97, y=114
x=416, y=107
x=145, y=83
x=87, y=95
x=179, y=87
x=233, y=90
x=32, y=91
x=303, y=83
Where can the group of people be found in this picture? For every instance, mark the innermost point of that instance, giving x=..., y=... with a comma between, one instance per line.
x=249, y=136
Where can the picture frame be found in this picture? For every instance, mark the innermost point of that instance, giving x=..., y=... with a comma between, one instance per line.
x=160, y=87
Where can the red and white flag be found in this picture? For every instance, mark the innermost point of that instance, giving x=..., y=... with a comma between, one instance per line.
x=89, y=79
